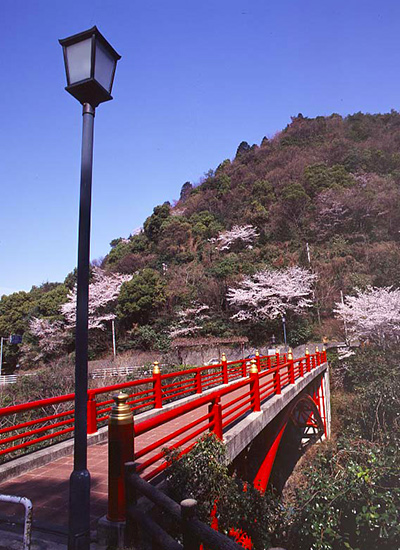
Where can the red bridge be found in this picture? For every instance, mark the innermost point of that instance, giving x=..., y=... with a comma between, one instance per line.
x=244, y=403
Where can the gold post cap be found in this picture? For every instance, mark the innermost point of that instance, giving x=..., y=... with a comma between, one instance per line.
x=253, y=367
x=257, y=353
x=323, y=348
x=290, y=354
x=223, y=357
x=121, y=412
x=316, y=349
x=277, y=351
x=307, y=352
x=156, y=368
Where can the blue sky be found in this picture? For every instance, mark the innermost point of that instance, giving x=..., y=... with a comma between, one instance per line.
x=195, y=79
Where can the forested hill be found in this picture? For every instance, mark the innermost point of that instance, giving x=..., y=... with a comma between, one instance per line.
x=331, y=182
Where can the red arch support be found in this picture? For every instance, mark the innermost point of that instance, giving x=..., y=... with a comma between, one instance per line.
x=308, y=414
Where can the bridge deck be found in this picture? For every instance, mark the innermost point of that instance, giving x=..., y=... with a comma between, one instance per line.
x=48, y=486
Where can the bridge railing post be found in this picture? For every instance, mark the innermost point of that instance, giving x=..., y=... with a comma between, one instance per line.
x=324, y=359
x=199, y=387
x=308, y=363
x=131, y=528
x=290, y=367
x=157, y=386
x=120, y=450
x=188, y=512
x=255, y=387
x=91, y=414
x=258, y=361
x=277, y=374
x=317, y=356
x=224, y=363
x=244, y=368
x=215, y=410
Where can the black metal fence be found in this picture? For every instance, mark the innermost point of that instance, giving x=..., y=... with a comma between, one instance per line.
x=140, y=524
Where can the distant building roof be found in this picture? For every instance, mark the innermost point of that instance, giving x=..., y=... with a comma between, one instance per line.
x=210, y=341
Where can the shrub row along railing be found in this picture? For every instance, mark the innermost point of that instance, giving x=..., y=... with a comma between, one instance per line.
x=29, y=426
x=144, y=531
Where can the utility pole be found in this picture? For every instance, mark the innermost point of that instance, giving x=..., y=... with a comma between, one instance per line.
x=113, y=337
x=344, y=320
x=313, y=292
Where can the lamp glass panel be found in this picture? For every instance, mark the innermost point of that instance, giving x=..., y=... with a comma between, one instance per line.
x=104, y=67
x=79, y=60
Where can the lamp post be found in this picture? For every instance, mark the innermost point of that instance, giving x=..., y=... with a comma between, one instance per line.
x=90, y=63
x=284, y=330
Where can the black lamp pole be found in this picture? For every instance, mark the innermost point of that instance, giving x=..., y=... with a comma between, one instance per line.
x=79, y=498
x=90, y=63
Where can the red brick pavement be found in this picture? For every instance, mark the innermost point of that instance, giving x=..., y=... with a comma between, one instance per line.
x=47, y=486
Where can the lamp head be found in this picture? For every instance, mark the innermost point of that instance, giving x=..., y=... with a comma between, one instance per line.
x=90, y=63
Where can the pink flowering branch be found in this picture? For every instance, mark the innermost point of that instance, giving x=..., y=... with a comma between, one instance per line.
x=271, y=293
x=372, y=314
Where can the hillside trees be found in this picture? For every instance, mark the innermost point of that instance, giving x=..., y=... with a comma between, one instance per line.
x=270, y=294
x=141, y=298
x=331, y=181
x=242, y=235
x=373, y=314
x=51, y=336
x=104, y=289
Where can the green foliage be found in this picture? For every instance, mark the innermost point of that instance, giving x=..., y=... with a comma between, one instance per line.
x=350, y=499
x=295, y=198
x=225, y=268
x=141, y=298
x=49, y=303
x=300, y=332
x=349, y=495
x=152, y=225
x=146, y=338
x=319, y=177
x=205, y=225
x=202, y=474
x=263, y=191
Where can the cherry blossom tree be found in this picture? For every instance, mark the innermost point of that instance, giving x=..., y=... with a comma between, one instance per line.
x=245, y=234
x=190, y=320
x=103, y=293
x=51, y=337
x=271, y=293
x=372, y=314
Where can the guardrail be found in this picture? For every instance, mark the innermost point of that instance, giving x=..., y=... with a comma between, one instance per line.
x=140, y=525
x=30, y=424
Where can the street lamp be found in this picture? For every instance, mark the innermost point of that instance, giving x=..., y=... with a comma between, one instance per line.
x=90, y=63
x=284, y=330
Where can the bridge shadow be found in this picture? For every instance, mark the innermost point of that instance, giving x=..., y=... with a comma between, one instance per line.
x=294, y=443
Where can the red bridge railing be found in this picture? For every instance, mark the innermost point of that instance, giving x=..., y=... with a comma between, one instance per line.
x=29, y=426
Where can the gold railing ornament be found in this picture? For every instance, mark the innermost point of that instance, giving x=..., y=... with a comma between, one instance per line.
x=156, y=367
x=121, y=412
x=253, y=367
